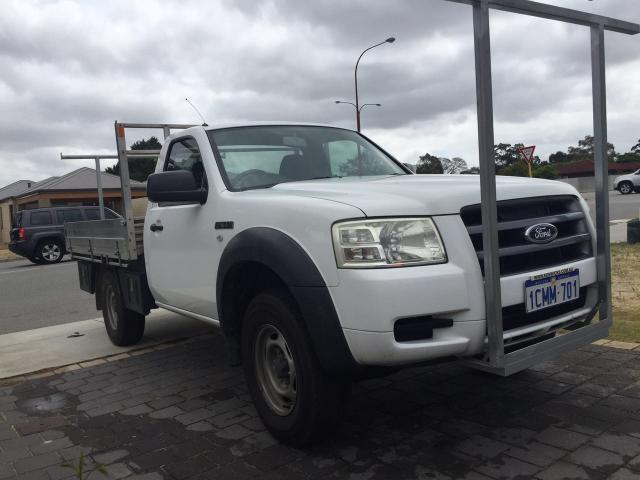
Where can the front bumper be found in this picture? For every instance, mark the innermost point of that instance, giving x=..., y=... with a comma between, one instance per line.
x=369, y=302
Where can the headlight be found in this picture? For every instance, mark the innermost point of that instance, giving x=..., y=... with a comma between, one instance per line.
x=391, y=242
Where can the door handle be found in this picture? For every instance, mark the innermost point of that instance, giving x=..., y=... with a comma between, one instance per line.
x=156, y=228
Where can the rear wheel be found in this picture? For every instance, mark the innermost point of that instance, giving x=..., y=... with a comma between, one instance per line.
x=50, y=251
x=124, y=326
x=297, y=401
x=625, y=188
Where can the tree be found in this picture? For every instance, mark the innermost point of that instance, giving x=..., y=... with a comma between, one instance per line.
x=558, y=157
x=517, y=169
x=584, y=150
x=454, y=165
x=506, y=154
x=628, y=157
x=471, y=171
x=545, y=171
x=636, y=147
x=429, y=164
x=140, y=168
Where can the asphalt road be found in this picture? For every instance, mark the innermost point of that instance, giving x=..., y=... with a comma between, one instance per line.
x=34, y=296
x=621, y=207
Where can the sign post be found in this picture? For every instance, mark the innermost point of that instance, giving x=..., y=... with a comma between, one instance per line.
x=527, y=153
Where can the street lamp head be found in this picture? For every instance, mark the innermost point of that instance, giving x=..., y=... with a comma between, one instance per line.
x=338, y=101
x=378, y=104
x=390, y=40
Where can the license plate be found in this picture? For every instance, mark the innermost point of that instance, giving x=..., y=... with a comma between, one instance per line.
x=555, y=288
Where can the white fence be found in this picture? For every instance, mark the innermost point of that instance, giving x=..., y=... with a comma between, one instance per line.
x=586, y=184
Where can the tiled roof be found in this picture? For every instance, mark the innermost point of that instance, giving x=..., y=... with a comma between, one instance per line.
x=15, y=188
x=81, y=179
x=585, y=167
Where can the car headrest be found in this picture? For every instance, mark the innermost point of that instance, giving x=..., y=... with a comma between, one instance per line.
x=294, y=167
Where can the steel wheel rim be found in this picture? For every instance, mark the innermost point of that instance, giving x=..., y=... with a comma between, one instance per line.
x=275, y=370
x=112, y=311
x=625, y=188
x=51, y=252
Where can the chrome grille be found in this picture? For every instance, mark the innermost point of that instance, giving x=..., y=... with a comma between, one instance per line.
x=517, y=255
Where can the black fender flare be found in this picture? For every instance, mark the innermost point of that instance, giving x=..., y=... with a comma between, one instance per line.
x=287, y=259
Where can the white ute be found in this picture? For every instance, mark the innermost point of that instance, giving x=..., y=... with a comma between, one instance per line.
x=324, y=259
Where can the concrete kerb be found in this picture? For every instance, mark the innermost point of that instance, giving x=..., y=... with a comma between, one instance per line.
x=48, y=372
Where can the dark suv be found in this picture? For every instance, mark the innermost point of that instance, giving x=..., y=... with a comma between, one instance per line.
x=38, y=234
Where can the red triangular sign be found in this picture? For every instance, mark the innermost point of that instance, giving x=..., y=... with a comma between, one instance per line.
x=527, y=152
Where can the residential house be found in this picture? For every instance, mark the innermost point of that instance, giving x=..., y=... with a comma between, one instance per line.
x=75, y=188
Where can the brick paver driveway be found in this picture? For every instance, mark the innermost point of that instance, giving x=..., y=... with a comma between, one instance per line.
x=180, y=412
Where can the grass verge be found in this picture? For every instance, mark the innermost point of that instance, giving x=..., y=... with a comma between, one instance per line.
x=625, y=287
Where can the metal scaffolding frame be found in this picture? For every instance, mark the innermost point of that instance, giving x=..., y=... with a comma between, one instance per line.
x=496, y=360
x=123, y=159
x=97, y=159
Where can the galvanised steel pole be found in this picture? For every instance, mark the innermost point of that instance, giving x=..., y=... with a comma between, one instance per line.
x=601, y=163
x=99, y=182
x=484, y=94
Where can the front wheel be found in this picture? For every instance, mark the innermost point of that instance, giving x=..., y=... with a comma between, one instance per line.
x=124, y=326
x=297, y=401
x=625, y=188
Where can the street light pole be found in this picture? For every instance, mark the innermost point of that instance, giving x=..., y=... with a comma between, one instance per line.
x=359, y=109
x=388, y=40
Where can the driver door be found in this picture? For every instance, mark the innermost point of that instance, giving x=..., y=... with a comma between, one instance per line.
x=180, y=245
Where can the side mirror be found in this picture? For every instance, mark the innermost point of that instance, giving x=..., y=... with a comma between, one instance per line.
x=175, y=186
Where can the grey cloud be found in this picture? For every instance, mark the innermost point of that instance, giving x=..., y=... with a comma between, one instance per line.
x=69, y=69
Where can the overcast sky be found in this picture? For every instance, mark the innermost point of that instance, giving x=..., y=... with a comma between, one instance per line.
x=68, y=69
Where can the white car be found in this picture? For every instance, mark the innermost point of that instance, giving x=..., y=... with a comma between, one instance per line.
x=323, y=259
x=627, y=184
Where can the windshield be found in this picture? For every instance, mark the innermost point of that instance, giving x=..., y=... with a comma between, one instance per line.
x=263, y=156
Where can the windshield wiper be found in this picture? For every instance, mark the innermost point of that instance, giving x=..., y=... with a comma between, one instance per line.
x=326, y=176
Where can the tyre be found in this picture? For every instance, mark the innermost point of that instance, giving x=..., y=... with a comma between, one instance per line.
x=124, y=326
x=50, y=251
x=625, y=188
x=298, y=403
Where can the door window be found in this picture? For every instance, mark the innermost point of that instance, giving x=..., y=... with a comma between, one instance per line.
x=92, y=214
x=184, y=154
x=69, y=215
x=40, y=218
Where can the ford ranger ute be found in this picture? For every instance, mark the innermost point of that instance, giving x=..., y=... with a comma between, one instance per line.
x=324, y=259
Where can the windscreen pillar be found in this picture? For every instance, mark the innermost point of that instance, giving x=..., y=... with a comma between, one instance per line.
x=484, y=99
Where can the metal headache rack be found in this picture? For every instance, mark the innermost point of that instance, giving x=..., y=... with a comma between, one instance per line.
x=119, y=242
x=114, y=241
x=496, y=359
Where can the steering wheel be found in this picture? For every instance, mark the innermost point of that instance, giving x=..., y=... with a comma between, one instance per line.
x=254, y=177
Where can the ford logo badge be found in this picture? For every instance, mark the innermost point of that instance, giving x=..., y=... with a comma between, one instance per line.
x=541, y=233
